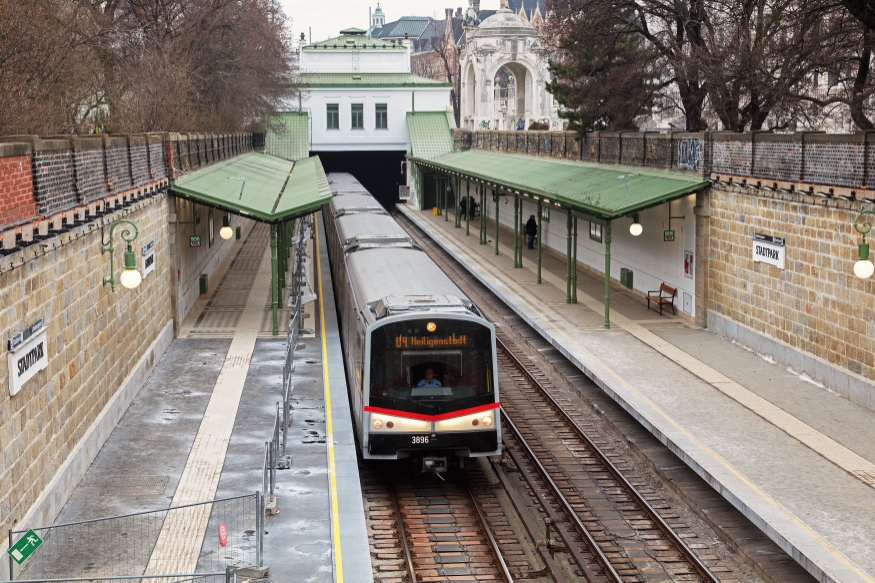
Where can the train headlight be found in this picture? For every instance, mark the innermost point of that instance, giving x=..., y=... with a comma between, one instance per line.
x=487, y=420
x=431, y=326
x=377, y=423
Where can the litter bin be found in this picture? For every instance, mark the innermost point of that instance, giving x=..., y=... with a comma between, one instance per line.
x=626, y=277
x=203, y=282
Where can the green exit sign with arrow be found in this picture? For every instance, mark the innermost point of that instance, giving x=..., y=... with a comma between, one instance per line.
x=25, y=547
x=668, y=235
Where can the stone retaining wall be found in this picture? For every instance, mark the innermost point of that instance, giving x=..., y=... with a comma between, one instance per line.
x=95, y=337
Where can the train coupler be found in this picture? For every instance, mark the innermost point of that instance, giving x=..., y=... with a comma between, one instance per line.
x=434, y=465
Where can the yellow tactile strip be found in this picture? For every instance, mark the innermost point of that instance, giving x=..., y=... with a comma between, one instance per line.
x=833, y=451
x=179, y=542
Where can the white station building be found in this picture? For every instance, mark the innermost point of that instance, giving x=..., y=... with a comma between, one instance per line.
x=357, y=92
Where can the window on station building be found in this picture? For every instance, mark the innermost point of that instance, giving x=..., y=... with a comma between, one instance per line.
x=595, y=232
x=358, y=116
x=333, y=116
x=382, y=115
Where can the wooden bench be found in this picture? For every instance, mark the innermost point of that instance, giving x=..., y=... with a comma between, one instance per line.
x=664, y=296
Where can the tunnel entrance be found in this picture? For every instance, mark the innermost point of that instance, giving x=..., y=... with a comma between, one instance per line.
x=379, y=172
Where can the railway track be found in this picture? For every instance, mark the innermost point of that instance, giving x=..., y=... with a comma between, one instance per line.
x=621, y=528
x=615, y=527
x=428, y=530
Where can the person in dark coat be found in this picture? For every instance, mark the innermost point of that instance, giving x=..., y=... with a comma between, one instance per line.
x=532, y=230
x=473, y=207
x=463, y=206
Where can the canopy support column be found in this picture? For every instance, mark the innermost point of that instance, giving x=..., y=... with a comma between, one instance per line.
x=540, y=236
x=574, y=267
x=568, y=260
x=482, y=214
x=516, y=231
x=274, y=279
x=522, y=238
x=467, y=207
x=497, y=200
x=458, y=203
x=608, y=275
x=447, y=182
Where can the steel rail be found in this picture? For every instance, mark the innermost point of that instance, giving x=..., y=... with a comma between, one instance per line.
x=600, y=557
x=408, y=558
x=505, y=571
x=701, y=569
x=532, y=530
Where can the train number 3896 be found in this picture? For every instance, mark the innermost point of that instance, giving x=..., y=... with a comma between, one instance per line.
x=420, y=439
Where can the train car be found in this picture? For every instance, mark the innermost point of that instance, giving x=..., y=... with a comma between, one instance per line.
x=420, y=357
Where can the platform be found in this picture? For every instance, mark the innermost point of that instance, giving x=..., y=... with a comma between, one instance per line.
x=795, y=458
x=196, y=432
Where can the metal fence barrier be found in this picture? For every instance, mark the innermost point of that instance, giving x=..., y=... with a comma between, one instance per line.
x=122, y=546
x=230, y=575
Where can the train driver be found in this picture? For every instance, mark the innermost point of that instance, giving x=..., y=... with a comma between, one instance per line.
x=429, y=380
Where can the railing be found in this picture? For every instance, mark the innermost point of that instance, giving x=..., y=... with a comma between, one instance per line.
x=120, y=546
x=229, y=575
x=275, y=454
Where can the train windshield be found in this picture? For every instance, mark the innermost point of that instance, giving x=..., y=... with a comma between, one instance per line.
x=431, y=366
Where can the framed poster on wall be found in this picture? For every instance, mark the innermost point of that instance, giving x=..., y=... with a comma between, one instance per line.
x=688, y=264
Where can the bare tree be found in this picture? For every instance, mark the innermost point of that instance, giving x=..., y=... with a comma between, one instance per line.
x=448, y=54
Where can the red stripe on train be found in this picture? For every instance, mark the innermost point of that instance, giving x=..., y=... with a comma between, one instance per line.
x=441, y=417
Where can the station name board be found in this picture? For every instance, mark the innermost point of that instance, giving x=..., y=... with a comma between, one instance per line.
x=769, y=249
x=28, y=355
x=403, y=341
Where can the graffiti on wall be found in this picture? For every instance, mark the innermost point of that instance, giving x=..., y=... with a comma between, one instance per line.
x=689, y=153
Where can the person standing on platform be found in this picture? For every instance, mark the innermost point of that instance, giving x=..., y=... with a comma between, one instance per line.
x=532, y=230
x=472, y=208
x=463, y=206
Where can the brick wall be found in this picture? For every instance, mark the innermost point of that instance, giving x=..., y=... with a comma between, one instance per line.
x=95, y=337
x=16, y=189
x=139, y=156
x=118, y=166
x=816, y=304
x=90, y=169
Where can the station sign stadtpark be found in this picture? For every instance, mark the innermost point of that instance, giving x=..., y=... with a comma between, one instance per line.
x=769, y=249
x=25, y=547
x=28, y=355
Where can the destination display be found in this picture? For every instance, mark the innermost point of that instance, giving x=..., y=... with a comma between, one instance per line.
x=29, y=356
x=407, y=341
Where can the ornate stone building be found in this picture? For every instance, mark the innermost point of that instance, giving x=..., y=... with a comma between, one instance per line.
x=504, y=75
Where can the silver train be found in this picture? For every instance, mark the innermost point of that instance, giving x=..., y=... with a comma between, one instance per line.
x=420, y=357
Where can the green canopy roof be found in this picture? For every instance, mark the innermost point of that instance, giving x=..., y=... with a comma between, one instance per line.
x=430, y=134
x=354, y=41
x=273, y=189
x=601, y=190
x=288, y=135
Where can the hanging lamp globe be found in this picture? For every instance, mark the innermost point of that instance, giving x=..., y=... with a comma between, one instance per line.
x=864, y=268
x=130, y=277
x=226, y=232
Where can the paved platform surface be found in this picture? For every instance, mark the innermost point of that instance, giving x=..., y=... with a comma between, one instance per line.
x=196, y=432
x=795, y=458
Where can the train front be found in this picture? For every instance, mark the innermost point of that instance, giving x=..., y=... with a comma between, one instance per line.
x=432, y=389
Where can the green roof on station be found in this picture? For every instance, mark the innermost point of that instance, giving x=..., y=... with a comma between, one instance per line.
x=273, y=189
x=288, y=135
x=597, y=189
x=353, y=40
x=430, y=134
x=318, y=80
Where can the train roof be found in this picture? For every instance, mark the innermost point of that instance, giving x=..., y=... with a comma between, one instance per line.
x=343, y=183
x=355, y=203
x=358, y=228
x=400, y=276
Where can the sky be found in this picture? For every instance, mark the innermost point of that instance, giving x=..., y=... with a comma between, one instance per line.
x=328, y=17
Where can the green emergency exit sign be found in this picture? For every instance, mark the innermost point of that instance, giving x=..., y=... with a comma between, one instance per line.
x=194, y=241
x=668, y=235
x=25, y=547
